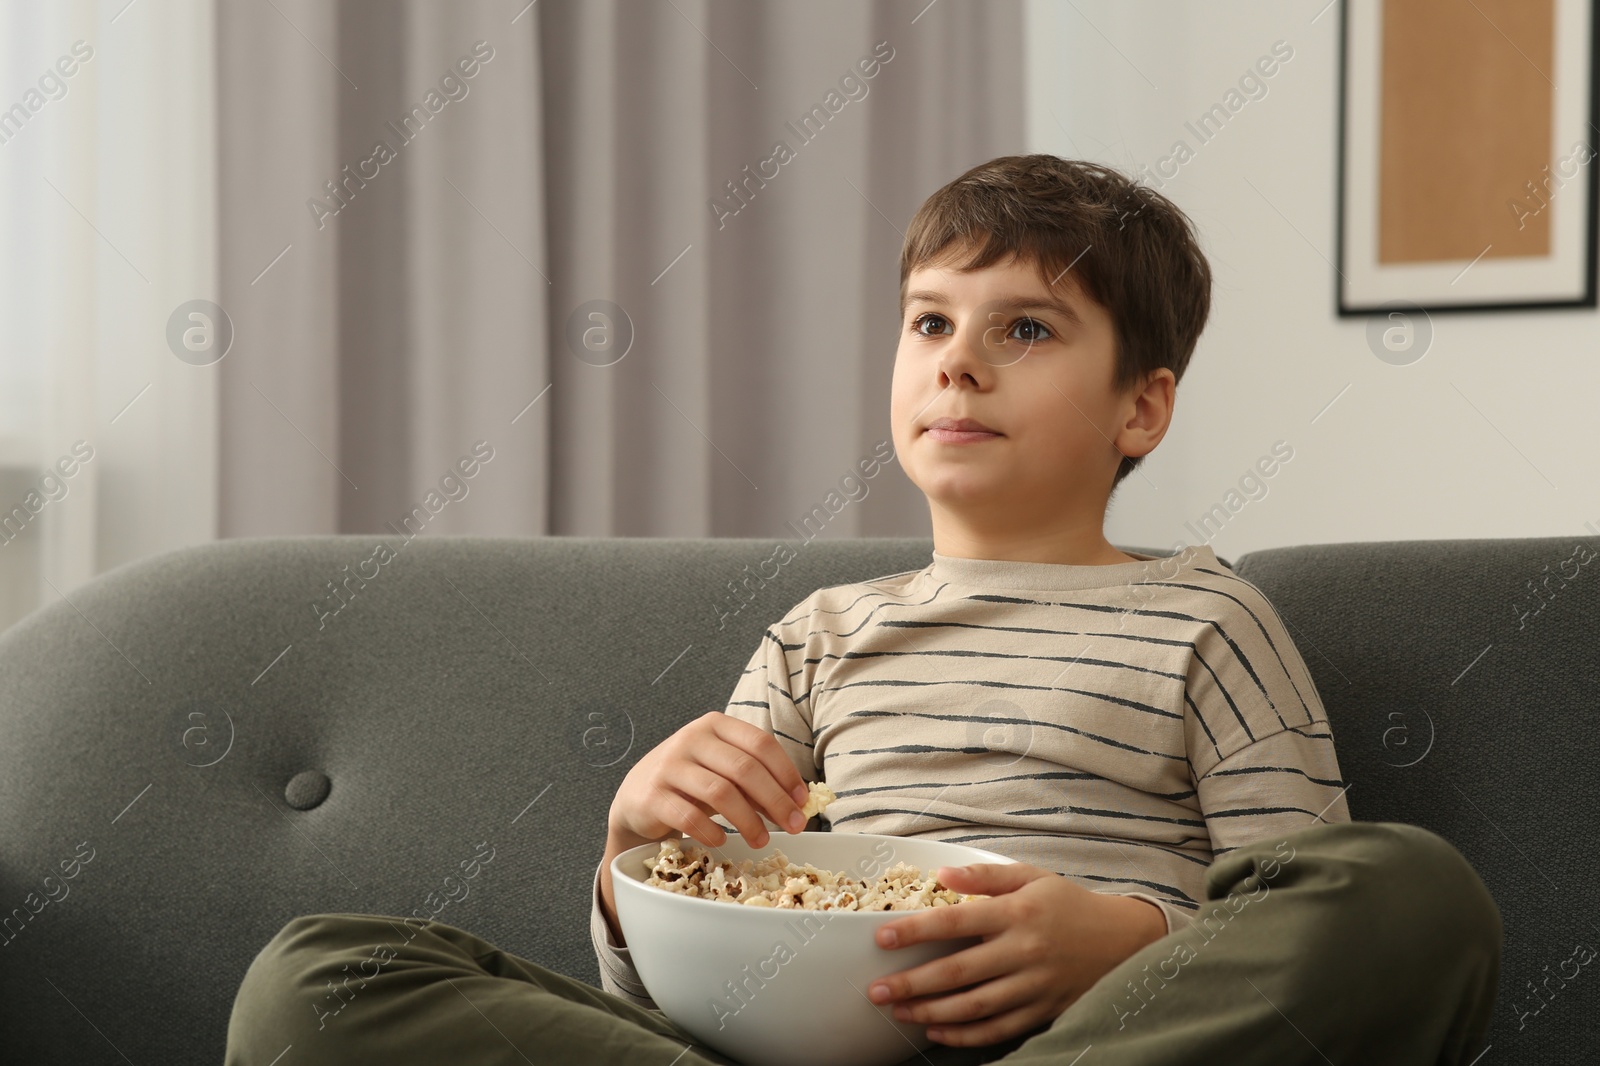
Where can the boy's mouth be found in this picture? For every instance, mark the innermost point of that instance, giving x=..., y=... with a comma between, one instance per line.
x=960, y=431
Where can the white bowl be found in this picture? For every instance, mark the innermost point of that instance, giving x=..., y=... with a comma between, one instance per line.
x=773, y=987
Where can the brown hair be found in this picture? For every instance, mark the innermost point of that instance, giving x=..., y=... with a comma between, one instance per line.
x=1131, y=250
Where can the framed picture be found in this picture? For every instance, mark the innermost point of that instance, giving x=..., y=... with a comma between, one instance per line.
x=1468, y=177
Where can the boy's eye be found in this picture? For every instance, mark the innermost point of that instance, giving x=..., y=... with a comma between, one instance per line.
x=1034, y=330
x=918, y=322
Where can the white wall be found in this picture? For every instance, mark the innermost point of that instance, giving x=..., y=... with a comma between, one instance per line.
x=1491, y=434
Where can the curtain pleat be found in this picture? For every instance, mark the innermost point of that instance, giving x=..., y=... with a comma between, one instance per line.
x=555, y=264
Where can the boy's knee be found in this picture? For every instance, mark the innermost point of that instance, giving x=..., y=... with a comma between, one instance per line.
x=306, y=944
x=287, y=964
x=278, y=998
x=1409, y=879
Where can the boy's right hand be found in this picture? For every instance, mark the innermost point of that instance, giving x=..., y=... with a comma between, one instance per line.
x=713, y=765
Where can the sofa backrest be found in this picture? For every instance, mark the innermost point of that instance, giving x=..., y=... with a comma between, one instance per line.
x=1462, y=681
x=201, y=745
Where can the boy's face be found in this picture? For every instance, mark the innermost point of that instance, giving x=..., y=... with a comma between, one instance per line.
x=1034, y=364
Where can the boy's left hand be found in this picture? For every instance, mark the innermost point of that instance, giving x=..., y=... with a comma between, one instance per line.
x=1046, y=940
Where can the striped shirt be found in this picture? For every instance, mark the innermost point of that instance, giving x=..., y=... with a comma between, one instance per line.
x=1123, y=725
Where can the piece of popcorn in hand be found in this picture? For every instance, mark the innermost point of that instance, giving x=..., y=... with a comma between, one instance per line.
x=821, y=795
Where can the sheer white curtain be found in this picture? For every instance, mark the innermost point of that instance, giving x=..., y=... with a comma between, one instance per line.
x=108, y=440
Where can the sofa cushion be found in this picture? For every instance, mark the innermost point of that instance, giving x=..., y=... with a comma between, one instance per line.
x=213, y=742
x=1459, y=705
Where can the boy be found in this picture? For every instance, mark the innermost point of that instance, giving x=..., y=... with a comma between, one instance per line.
x=1138, y=732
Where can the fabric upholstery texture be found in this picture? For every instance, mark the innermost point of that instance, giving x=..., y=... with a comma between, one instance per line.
x=456, y=729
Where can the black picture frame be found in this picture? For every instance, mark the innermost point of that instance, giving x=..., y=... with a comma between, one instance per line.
x=1350, y=305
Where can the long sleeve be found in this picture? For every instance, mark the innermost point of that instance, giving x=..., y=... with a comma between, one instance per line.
x=766, y=696
x=1276, y=786
x=1177, y=917
x=763, y=697
x=1262, y=750
x=617, y=974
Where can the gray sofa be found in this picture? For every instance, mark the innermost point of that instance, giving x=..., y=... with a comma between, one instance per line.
x=201, y=745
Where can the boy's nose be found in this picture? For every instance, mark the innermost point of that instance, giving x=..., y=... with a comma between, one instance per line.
x=959, y=362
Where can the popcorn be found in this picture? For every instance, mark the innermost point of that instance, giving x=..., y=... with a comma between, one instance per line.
x=821, y=795
x=774, y=881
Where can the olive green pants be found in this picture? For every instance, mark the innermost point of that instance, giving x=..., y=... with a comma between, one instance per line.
x=1348, y=943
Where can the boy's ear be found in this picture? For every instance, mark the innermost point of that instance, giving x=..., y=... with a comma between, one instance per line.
x=1149, y=413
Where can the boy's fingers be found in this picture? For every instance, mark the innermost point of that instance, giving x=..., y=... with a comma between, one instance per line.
x=764, y=747
x=993, y=1029
x=724, y=796
x=990, y=878
x=956, y=970
x=1005, y=993
x=976, y=917
x=756, y=788
x=692, y=820
x=755, y=743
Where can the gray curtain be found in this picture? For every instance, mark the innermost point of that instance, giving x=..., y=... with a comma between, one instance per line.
x=569, y=182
